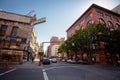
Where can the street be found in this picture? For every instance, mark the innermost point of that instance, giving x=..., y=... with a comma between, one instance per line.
x=62, y=71
x=68, y=71
x=26, y=71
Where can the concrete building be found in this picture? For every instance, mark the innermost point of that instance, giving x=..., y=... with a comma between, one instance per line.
x=14, y=36
x=96, y=14
x=32, y=45
x=37, y=50
x=54, y=50
x=48, y=52
x=55, y=42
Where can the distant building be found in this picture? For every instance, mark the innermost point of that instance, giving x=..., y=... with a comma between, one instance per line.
x=48, y=52
x=97, y=14
x=14, y=35
x=52, y=50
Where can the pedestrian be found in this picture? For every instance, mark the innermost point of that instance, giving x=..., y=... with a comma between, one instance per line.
x=32, y=59
x=40, y=61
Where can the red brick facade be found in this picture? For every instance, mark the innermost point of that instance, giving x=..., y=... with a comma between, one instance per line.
x=96, y=14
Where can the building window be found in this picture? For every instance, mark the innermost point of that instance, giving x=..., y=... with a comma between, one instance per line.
x=82, y=27
x=76, y=27
x=90, y=22
x=81, y=22
x=3, y=30
x=99, y=13
x=115, y=19
x=14, y=31
x=72, y=31
x=88, y=16
x=108, y=16
x=101, y=21
x=110, y=25
x=117, y=26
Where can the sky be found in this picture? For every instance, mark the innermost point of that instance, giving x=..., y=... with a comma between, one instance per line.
x=60, y=14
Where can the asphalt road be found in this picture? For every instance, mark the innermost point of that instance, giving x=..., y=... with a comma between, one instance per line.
x=66, y=71
x=27, y=71
x=62, y=71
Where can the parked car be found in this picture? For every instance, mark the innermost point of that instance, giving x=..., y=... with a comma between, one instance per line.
x=82, y=61
x=54, y=60
x=46, y=61
x=70, y=61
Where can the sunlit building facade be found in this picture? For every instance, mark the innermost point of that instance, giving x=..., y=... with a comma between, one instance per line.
x=14, y=33
x=55, y=42
x=96, y=14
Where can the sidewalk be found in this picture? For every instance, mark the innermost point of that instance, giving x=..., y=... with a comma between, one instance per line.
x=28, y=65
x=24, y=65
x=107, y=67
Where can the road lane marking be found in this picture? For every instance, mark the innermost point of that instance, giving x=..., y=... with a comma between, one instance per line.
x=58, y=67
x=45, y=75
x=7, y=72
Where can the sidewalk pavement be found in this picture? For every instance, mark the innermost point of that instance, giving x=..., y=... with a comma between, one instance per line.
x=28, y=65
x=107, y=67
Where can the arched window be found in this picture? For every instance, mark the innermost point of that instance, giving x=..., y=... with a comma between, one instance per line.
x=101, y=21
x=110, y=25
x=90, y=22
x=82, y=27
x=117, y=26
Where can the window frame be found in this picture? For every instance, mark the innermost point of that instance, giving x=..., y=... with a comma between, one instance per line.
x=3, y=29
x=14, y=31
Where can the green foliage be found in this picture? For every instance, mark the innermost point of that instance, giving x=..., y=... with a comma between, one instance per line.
x=113, y=43
x=92, y=34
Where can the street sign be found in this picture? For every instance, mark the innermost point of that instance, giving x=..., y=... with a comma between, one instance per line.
x=41, y=20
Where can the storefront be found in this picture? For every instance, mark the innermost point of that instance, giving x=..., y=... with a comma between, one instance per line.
x=12, y=56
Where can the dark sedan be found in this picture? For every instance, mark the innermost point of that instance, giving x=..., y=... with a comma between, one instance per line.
x=46, y=61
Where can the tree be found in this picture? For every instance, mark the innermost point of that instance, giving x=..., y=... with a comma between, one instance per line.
x=89, y=39
x=61, y=50
x=113, y=45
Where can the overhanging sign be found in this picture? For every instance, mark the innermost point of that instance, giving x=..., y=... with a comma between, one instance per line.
x=41, y=20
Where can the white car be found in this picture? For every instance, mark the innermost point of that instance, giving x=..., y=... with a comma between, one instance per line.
x=70, y=61
x=54, y=60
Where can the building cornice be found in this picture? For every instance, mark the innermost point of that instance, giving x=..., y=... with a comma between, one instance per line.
x=95, y=6
x=15, y=17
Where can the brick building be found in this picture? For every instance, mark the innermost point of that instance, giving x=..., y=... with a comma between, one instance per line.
x=96, y=14
x=14, y=33
x=117, y=9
